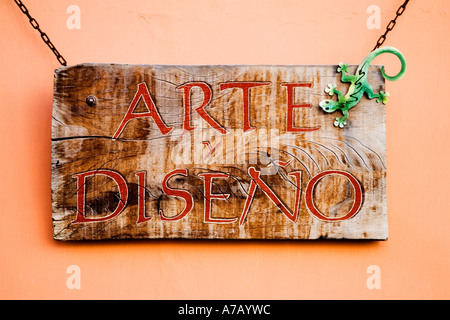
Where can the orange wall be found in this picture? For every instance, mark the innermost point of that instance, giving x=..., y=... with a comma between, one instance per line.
x=414, y=262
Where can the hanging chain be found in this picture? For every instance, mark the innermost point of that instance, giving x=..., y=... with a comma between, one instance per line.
x=391, y=25
x=44, y=36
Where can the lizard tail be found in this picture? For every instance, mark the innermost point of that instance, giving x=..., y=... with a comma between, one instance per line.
x=392, y=50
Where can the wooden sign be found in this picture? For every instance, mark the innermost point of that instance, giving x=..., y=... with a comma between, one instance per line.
x=214, y=152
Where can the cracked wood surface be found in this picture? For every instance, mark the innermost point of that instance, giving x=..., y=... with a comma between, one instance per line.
x=82, y=141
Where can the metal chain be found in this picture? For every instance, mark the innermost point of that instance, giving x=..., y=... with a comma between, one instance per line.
x=391, y=25
x=44, y=36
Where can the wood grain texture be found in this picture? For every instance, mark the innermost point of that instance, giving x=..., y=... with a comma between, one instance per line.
x=82, y=142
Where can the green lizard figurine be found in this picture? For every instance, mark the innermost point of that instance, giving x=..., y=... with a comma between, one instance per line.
x=358, y=86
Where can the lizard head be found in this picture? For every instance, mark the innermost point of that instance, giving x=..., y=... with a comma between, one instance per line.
x=329, y=105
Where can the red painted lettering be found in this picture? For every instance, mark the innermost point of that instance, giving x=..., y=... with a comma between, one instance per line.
x=290, y=106
x=257, y=181
x=153, y=113
x=81, y=194
x=310, y=201
x=209, y=196
x=142, y=175
x=245, y=86
x=207, y=96
x=185, y=195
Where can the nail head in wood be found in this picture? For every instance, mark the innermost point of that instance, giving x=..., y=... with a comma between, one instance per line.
x=91, y=100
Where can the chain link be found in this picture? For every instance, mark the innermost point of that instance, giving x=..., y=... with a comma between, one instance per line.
x=44, y=36
x=391, y=25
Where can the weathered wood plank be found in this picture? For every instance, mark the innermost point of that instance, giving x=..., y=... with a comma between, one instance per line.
x=105, y=167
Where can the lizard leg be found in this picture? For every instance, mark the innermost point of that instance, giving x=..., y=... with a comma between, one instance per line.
x=343, y=69
x=381, y=97
x=332, y=89
x=341, y=122
x=347, y=78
